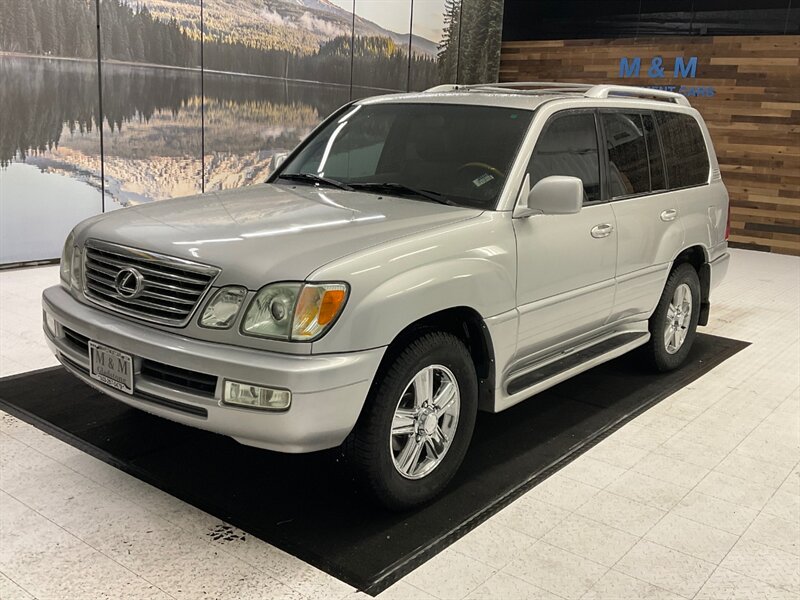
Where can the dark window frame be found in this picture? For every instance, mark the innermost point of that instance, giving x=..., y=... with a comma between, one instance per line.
x=601, y=156
x=652, y=114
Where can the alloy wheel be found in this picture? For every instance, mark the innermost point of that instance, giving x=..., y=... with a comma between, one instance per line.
x=425, y=422
x=679, y=317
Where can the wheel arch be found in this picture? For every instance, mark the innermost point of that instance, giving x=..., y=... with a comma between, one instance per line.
x=697, y=256
x=467, y=325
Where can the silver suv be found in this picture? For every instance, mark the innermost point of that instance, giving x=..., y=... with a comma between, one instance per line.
x=419, y=257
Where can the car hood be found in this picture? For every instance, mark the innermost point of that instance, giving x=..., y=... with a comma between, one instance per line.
x=268, y=232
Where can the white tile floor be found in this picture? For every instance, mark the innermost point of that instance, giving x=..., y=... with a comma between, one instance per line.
x=697, y=498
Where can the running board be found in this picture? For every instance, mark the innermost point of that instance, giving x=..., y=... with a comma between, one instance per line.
x=563, y=368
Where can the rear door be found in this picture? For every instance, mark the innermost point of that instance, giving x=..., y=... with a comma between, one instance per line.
x=650, y=233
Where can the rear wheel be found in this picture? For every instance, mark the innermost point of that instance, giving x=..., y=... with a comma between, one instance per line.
x=417, y=424
x=673, y=325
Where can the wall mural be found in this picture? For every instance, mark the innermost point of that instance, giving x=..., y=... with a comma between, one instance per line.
x=196, y=95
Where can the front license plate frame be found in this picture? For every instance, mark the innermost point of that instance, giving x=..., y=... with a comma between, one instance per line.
x=111, y=367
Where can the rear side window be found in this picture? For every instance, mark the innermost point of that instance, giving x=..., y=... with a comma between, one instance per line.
x=685, y=151
x=568, y=146
x=628, y=168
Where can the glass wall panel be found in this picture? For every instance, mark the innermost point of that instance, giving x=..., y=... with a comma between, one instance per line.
x=381, y=46
x=434, y=48
x=151, y=100
x=49, y=140
x=269, y=77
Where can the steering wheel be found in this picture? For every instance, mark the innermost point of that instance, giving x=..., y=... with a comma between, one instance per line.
x=486, y=167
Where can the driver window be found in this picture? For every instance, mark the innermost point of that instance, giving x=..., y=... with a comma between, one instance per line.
x=568, y=146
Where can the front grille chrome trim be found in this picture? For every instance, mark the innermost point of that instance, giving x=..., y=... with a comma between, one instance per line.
x=173, y=287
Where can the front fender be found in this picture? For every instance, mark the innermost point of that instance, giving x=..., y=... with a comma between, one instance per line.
x=404, y=282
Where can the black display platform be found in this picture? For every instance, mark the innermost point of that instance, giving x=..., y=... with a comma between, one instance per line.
x=305, y=505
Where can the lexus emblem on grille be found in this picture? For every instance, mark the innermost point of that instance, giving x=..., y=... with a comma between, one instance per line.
x=129, y=282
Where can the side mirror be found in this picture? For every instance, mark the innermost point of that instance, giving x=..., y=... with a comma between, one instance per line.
x=554, y=195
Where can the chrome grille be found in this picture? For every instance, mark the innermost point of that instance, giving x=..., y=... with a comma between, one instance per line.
x=169, y=291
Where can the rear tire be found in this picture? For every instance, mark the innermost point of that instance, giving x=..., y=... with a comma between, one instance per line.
x=417, y=422
x=673, y=325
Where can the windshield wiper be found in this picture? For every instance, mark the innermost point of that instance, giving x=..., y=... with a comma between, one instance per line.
x=401, y=189
x=313, y=178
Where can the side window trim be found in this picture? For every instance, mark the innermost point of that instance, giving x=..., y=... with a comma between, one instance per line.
x=602, y=150
x=661, y=148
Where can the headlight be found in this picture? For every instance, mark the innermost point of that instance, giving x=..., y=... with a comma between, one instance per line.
x=66, y=260
x=270, y=313
x=221, y=311
x=294, y=311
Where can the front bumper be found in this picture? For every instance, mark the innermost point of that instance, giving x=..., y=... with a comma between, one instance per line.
x=328, y=391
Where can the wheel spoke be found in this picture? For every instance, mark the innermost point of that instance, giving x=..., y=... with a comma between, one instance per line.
x=671, y=312
x=403, y=422
x=680, y=336
x=423, y=387
x=668, y=335
x=678, y=297
x=433, y=451
x=440, y=436
x=445, y=398
x=410, y=456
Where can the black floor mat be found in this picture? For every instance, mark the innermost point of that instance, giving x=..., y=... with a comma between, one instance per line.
x=305, y=504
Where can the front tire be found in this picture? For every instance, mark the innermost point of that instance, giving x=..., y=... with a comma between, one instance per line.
x=673, y=325
x=417, y=422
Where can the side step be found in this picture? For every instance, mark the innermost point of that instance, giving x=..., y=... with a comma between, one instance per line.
x=578, y=361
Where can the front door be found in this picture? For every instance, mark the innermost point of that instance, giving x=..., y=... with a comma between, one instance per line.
x=566, y=263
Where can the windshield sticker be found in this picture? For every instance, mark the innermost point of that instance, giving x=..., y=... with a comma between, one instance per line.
x=482, y=180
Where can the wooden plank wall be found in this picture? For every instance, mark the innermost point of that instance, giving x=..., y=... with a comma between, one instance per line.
x=754, y=116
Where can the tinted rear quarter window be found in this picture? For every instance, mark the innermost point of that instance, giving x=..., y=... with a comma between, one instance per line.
x=685, y=151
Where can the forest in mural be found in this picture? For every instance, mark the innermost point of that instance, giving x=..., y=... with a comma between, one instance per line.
x=197, y=96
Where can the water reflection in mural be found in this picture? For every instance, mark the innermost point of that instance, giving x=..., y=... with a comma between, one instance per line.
x=49, y=119
x=248, y=120
x=271, y=73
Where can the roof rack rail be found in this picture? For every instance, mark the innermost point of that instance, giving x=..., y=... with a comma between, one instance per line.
x=516, y=86
x=629, y=91
x=549, y=87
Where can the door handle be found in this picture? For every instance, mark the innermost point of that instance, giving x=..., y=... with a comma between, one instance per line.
x=602, y=230
x=669, y=214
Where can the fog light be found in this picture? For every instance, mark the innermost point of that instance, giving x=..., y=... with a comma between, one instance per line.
x=254, y=396
x=50, y=322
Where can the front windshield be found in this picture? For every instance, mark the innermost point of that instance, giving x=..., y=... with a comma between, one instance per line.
x=456, y=154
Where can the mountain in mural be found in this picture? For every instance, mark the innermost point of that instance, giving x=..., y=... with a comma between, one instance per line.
x=291, y=25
